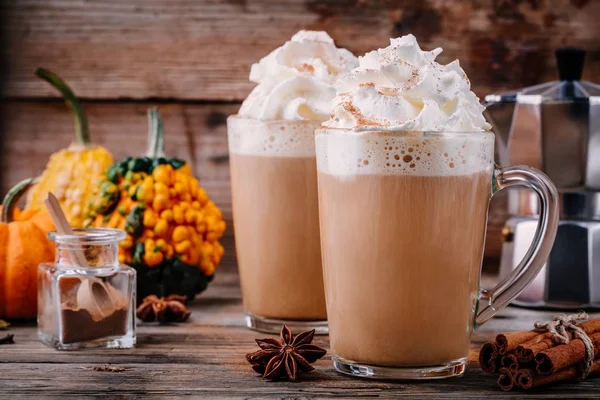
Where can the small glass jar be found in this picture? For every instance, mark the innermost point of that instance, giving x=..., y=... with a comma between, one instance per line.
x=86, y=298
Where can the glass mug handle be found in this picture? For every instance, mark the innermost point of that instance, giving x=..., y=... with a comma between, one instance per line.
x=493, y=300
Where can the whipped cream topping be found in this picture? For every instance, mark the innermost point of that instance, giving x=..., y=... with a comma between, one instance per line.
x=403, y=88
x=296, y=81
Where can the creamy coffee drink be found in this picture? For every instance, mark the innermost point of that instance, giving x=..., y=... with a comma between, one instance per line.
x=276, y=218
x=274, y=181
x=402, y=241
x=405, y=169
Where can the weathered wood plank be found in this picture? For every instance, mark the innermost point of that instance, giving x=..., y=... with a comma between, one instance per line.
x=205, y=358
x=233, y=381
x=203, y=49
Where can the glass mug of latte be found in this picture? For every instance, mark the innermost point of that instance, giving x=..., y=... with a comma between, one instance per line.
x=276, y=221
x=403, y=221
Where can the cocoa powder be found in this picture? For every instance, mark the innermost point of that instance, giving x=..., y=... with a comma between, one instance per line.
x=80, y=326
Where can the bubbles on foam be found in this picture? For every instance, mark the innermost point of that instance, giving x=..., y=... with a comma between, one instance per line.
x=350, y=153
x=271, y=138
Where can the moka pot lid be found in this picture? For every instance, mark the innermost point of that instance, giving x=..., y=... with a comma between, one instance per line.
x=570, y=87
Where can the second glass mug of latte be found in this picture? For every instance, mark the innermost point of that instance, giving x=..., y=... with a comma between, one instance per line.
x=276, y=218
x=403, y=221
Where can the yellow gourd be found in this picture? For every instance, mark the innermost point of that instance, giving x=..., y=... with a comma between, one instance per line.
x=73, y=173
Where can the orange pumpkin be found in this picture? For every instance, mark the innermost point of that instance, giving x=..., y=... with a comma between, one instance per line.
x=23, y=246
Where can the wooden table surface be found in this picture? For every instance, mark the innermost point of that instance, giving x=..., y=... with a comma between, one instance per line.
x=204, y=358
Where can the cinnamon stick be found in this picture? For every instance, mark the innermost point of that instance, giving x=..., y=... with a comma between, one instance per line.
x=506, y=380
x=526, y=351
x=507, y=342
x=489, y=358
x=565, y=355
x=491, y=353
x=528, y=379
x=510, y=362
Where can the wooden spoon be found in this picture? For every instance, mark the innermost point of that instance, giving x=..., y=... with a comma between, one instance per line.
x=93, y=294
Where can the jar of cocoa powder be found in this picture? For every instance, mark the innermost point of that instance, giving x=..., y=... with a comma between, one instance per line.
x=86, y=298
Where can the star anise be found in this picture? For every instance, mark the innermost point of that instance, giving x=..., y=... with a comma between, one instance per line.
x=8, y=339
x=163, y=309
x=276, y=359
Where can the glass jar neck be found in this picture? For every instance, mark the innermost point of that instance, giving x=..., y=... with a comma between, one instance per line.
x=88, y=248
x=87, y=255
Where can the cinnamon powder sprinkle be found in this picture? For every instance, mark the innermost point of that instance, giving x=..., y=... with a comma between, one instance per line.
x=305, y=67
x=360, y=119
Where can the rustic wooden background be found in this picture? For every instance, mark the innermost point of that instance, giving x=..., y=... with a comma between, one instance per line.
x=192, y=58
